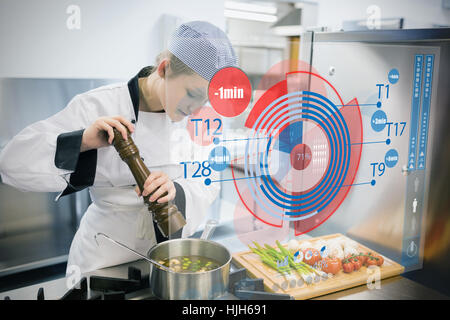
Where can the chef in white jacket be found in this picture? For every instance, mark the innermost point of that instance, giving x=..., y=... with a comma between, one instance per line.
x=72, y=149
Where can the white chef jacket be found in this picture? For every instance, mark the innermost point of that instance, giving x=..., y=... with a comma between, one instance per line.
x=45, y=157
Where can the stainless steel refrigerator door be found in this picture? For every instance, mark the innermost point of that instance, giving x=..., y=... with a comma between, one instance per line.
x=388, y=216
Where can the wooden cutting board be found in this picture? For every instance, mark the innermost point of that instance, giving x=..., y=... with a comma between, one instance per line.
x=294, y=286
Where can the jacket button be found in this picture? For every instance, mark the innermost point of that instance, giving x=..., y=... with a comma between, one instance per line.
x=133, y=121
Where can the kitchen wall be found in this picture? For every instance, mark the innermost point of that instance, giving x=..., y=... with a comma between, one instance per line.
x=90, y=39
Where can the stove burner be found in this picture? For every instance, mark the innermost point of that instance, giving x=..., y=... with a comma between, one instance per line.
x=110, y=288
x=114, y=295
x=78, y=292
x=107, y=288
x=105, y=284
x=245, y=288
x=249, y=285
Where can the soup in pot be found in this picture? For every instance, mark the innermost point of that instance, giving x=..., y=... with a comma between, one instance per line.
x=190, y=264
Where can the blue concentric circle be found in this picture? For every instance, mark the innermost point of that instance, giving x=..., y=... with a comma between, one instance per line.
x=307, y=197
x=320, y=110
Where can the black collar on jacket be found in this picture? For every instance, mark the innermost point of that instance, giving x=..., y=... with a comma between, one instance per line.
x=133, y=87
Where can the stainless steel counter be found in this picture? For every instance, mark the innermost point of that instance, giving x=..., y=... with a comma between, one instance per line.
x=395, y=288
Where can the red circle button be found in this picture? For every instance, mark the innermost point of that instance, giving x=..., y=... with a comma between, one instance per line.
x=300, y=156
x=230, y=92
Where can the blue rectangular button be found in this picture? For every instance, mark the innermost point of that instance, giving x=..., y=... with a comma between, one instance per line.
x=425, y=112
x=415, y=109
x=410, y=252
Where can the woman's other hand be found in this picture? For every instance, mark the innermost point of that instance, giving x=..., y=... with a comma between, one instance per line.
x=100, y=133
x=160, y=182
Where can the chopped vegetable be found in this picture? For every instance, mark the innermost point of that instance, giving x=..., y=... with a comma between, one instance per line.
x=190, y=264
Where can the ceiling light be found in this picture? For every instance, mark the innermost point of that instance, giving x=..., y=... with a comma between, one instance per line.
x=251, y=7
x=250, y=16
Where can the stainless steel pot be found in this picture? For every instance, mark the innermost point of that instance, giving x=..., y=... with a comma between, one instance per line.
x=170, y=285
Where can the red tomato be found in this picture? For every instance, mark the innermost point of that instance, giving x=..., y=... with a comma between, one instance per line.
x=316, y=255
x=331, y=265
x=356, y=264
x=380, y=260
x=371, y=261
x=310, y=256
x=362, y=256
x=340, y=263
x=347, y=266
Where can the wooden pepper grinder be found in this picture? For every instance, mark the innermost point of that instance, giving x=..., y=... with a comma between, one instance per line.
x=167, y=216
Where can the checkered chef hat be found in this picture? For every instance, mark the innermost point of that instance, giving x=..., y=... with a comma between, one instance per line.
x=202, y=47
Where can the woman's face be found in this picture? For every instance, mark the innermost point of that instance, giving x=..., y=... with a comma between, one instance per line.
x=183, y=95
